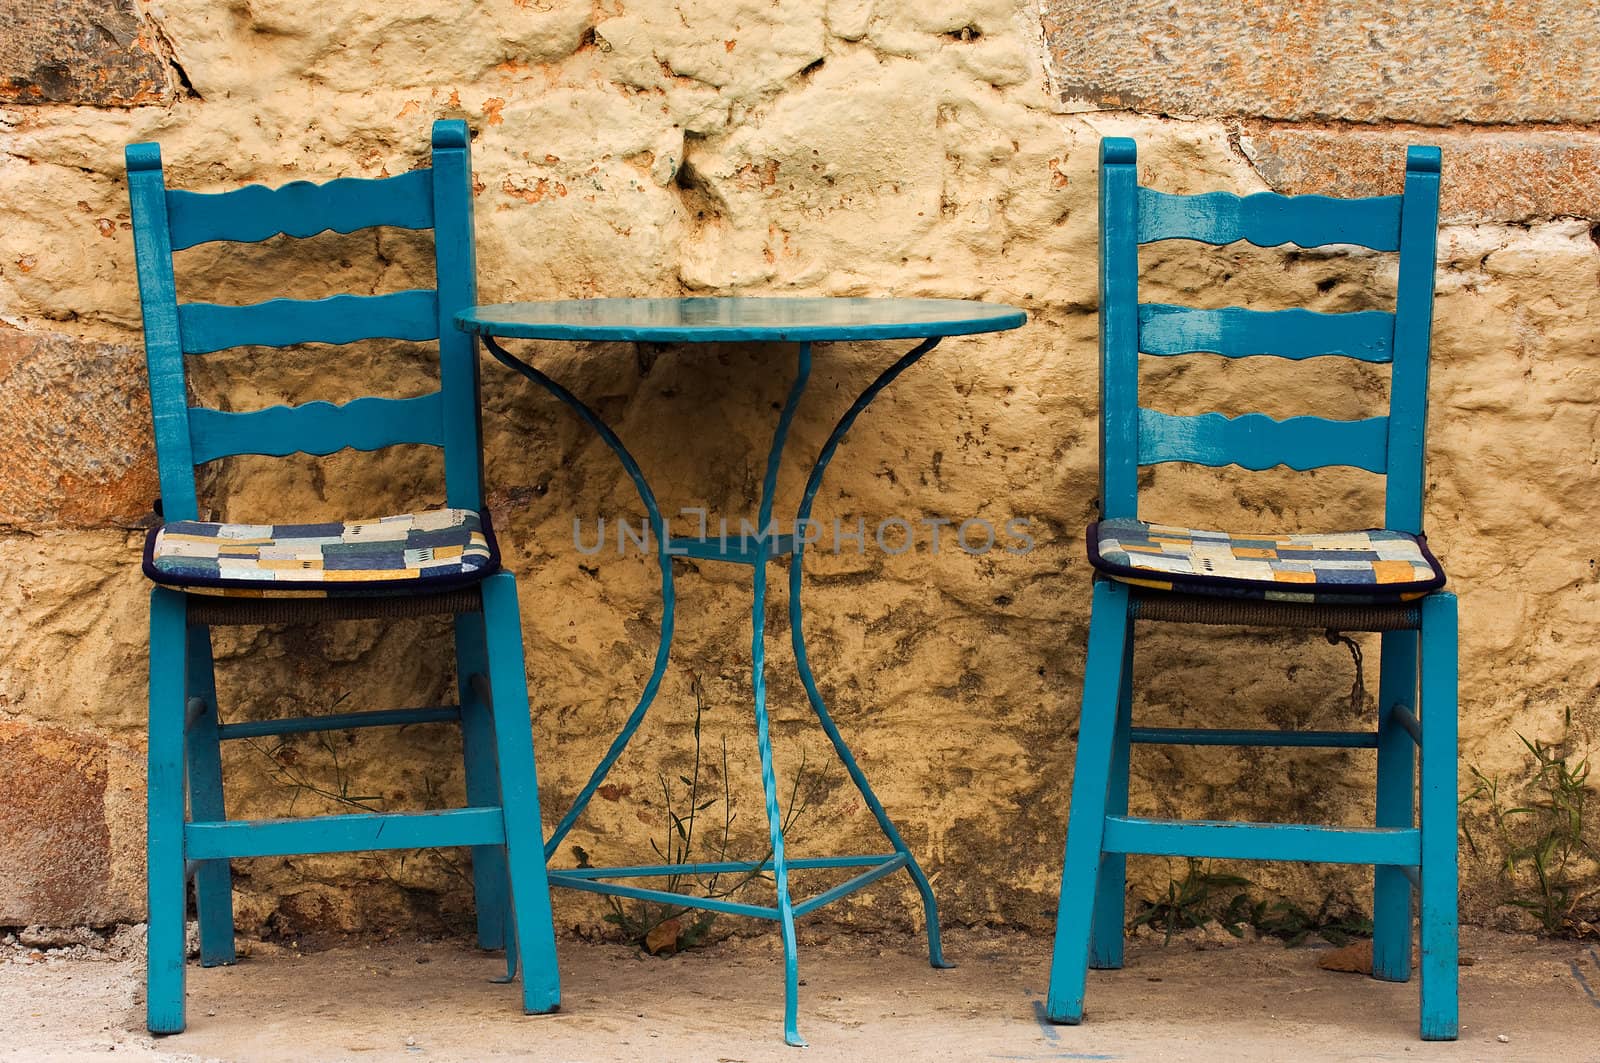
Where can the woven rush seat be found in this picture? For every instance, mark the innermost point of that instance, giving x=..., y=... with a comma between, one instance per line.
x=1358, y=567
x=409, y=552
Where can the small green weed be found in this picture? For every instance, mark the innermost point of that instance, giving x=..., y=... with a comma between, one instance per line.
x=664, y=928
x=1194, y=901
x=1287, y=921
x=1205, y=896
x=283, y=767
x=1547, y=861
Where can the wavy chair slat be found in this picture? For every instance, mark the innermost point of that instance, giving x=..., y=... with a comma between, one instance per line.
x=1268, y=219
x=255, y=213
x=407, y=315
x=1256, y=441
x=317, y=427
x=1236, y=332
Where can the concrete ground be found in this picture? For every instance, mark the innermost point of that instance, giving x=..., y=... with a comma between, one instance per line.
x=864, y=998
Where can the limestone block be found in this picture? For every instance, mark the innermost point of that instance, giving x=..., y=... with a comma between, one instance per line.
x=73, y=808
x=350, y=46
x=810, y=195
x=76, y=431
x=988, y=29
x=100, y=53
x=72, y=631
x=736, y=50
x=63, y=236
x=1477, y=61
x=1489, y=175
x=848, y=19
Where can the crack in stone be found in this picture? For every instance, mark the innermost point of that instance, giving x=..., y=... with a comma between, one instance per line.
x=169, y=53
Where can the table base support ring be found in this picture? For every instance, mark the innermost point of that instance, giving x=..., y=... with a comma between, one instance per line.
x=594, y=880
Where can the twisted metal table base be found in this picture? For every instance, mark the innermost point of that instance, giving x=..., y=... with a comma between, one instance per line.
x=779, y=864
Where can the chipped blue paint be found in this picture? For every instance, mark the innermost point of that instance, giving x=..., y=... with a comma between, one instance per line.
x=343, y=834
x=751, y=319
x=1268, y=219
x=339, y=722
x=1438, y=796
x=1397, y=756
x=213, y=885
x=1413, y=329
x=1196, y=736
x=1227, y=840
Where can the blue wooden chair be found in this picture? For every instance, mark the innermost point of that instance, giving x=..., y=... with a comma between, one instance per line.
x=1376, y=580
x=439, y=562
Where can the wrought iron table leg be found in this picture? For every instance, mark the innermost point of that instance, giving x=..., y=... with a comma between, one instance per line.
x=758, y=669
x=657, y=529
x=802, y=659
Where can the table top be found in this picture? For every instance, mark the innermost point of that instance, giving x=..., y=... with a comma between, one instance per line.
x=727, y=320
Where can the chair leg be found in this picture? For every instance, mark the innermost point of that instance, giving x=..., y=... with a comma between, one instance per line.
x=1102, y=684
x=489, y=881
x=1438, y=803
x=1397, y=754
x=165, y=850
x=1111, y=893
x=533, y=926
x=213, y=880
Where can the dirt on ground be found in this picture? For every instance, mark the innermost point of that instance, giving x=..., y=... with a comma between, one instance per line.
x=863, y=997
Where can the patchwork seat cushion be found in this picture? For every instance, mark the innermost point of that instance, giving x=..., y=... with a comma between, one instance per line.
x=434, y=550
x=1351, y=567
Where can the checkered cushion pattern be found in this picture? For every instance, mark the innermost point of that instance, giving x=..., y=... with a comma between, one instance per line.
x=1351, y=567
x=408, y=553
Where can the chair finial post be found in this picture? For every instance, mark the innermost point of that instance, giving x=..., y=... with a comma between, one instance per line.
x=1422, y=159
x=1118, y=151
x=450, y=133
x=142, y=157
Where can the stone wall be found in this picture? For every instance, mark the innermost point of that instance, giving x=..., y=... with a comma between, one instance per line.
x=827, y=147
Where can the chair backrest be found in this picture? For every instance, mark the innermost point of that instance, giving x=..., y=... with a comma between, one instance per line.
x=168, y=220
x=1132, y=436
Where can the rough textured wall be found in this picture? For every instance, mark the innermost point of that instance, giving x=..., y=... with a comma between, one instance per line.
x=849, y=147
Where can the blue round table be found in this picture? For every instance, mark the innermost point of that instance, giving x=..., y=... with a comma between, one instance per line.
x=801, y=321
